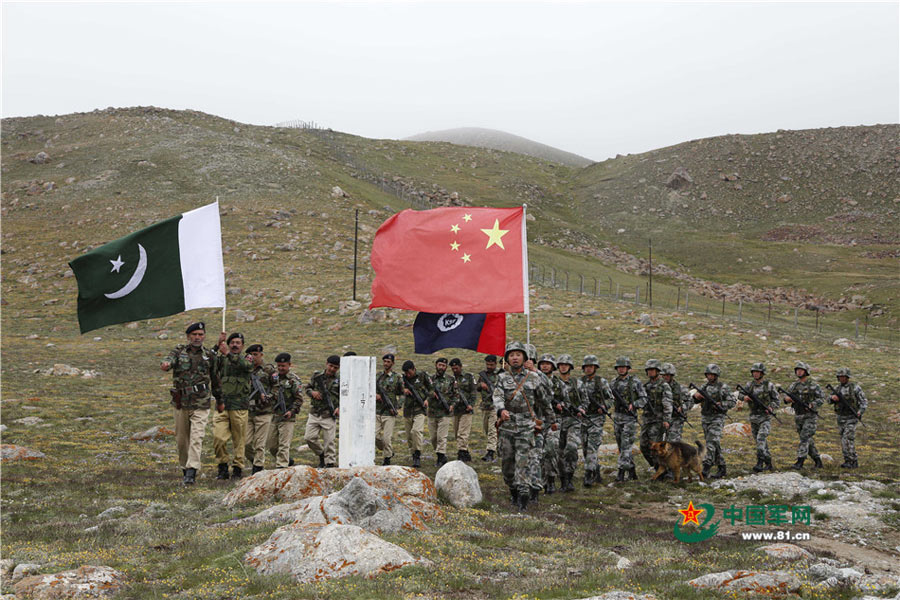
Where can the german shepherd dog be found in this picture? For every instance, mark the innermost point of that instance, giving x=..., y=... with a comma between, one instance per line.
x=677, y=456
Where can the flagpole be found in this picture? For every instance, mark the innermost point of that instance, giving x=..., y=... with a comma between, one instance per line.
x=525, y=275
x=223, y=301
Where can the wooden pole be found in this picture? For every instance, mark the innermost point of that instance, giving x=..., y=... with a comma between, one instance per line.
x=650, y=283
x=355, y=249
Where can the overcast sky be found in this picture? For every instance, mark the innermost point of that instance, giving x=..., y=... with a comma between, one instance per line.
x=596, y=79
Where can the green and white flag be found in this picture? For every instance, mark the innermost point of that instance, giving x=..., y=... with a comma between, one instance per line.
x=172, y=266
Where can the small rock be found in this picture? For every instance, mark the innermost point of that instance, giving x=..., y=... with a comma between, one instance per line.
x=24, y=570
x=157, y=432
x=459, y=482
x=845, y=343
x=10, y=452
x=623, y=563
x=789, y=552
x=371, y=316
x=112, y=511
x=40, y=158
x=85, y=582
x=29, y=421
x=645, y=319
x=337, y=192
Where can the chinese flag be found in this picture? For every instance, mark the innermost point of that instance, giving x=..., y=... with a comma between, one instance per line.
x=452, y=260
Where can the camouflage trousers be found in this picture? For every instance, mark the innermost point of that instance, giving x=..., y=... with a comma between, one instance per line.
x=550, y=461
x=712, y=434
x=515, y=444
x=569, y=443
x=535, y=460
x=651, y=431
x=625, y=428
x=673, y=433
x=591, y=438
x=806, y=429
x=847, y=429
x=760, y=426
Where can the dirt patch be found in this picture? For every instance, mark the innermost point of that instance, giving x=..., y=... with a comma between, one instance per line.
x=793, y=233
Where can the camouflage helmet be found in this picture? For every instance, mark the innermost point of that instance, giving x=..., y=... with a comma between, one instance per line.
x=515, y=346
x=668, y=369
x=802, y=365
x=531, y=352
x=549, y=358
x=843, y=372
x=653, y=364
x=758, y=367
x=565, y=359
x=622, y=361
x=714, y=369
x=590, y=359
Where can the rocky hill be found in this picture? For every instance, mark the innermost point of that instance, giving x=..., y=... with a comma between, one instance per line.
x=500, y=140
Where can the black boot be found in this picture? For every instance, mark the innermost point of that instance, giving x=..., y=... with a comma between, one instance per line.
x=441, y=460
x=386, y=461
x=568, y=486
x=720, y=472
x=760, y=465
x=535, y=492
x=466, y=456
x=330, y=465
x=290, y=462
x=706, y=469
x=597, y=479
x=817, y=460
x=321, y=461
x=769, y=466
x=514, y=495
x=522, y=501
x=632, y=473
x=550, y=488
x=417, y=459
x=489, y=456
x=588, y=478
x=190, y=476
x=854, y=464
x=620, y=476
x=461, y=455
x=799, y=464
x=223, y=472
x=236, y=473
x=255, y=470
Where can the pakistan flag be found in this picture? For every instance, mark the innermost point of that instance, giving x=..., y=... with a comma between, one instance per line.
x=172, y=266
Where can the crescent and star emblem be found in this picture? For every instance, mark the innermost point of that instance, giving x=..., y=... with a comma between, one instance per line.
x=136, y=277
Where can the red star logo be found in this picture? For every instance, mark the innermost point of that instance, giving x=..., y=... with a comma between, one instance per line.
x=690, y=514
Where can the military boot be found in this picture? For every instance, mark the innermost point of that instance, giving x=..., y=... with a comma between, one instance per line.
x=535, y=493
x=386, y=461
x=620, y=476
x=550, y=488
x=632, y=473
x=223, y=472
x=441, y=460
x=568, y=486
x=760, y=465
x=854, y=464
x=597, y=476
x=236, y=473
x=489, y=456
x=417, y=459
x=588, y=478
x=720, y=472
x=706, y=469
x=817, y=460
x=514, y=495
x=190, y=476
x=522, y=501
x=255, y=470
x=290, y=462
x=466, y=456
x=330, y=465
x=799, y=464
x=461, y=455
x=769, y=466
x=321, y=461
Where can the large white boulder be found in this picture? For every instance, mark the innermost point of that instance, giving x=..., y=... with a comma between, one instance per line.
x=459, y=483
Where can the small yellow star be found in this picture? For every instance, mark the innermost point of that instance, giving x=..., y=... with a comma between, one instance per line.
x=455, y=229
x=495, y=235
x=466, y=258
x=454, y=246
x=467, y=218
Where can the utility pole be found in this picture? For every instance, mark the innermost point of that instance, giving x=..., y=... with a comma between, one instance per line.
x=650, y=287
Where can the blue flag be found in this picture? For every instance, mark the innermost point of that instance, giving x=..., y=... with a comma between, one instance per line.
x=482, y=332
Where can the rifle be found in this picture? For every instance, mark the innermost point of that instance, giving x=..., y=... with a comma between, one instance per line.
x=680, y=409
x=567, y=406
x=258, y=390
x=325, y=395
x=443, y=400
x=715, y=405
x=385, y=398
x=603, y=409
x=280, y=408
x=462, y=396
x=758, y=402
x=483, y=377
x=798, y=401
x=621, y=402
x=843, y=401
x=415, y=394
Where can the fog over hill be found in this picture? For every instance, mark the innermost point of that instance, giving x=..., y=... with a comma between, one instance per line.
x=500, y=140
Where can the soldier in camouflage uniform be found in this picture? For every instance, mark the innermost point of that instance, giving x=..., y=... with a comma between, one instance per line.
x=535, y=461
x=389, y=392
x=417, y=389
x=323, y=412
x=549, y=467
x=596, y=397
x=806, y=414
x=714, y=407
x=849, y=403
x=463, y=409
x=439, y=417
x=515, y=395
x=195, y=381
x=682, y=402
x=230, y=423
x=486, y=381
x=259, y=416
x=287, y=399
x=629, y=396
x=761, y=412
x=657, y=416
x=568, y=405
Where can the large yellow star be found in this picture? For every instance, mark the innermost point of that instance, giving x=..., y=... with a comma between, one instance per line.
x=454, y=246
x=454, y=228
x=466, y=258
x=690, y=514
x=495, y=235
x=467, y=218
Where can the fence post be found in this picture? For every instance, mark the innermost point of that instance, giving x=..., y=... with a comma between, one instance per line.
x=567, y=281
x=678, y=298
x=817, y=319
x=637, y=294
x=740, y=310
x=856, y=323
x=553, y=276
x=617, y=296
x=866, y=329
x=796, y=326
x=610, y=287
x=686, y=293
x=723, y=306
x=769, y=318
x=581, y=285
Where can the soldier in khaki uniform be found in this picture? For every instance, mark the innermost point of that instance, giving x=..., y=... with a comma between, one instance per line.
x=388, y=392
x=195, y=380
x=486, y=381
x=416, y=389
x=230, y=420
x=259, y=413
x=463, y=409
x=287, y=399
x=439, y=418
x=324, y=390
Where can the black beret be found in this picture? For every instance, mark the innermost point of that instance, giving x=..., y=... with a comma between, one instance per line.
x=349, y=353
x=334, y=359
x=490, y=358
x=441, y=360
x=388, y=356
x=408, y=365
x=235, y=335
x=195, y=326
x=283, y=357
x=455, y=362
x=255, y=348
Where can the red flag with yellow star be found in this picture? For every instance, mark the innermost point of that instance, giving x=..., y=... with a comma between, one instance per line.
x=452, y=260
